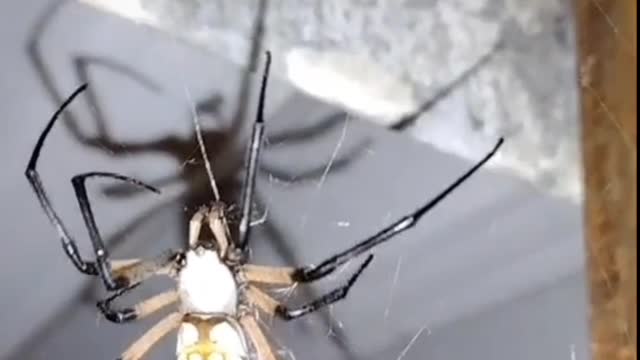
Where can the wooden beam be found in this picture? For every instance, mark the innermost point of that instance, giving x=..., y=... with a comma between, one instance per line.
x=607, y=39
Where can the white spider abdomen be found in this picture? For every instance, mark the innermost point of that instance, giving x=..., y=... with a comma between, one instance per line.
x=206, y=284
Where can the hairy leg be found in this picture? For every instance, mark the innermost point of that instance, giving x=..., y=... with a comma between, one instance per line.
x=273, y=307
x=258, y=339
x=141, y=347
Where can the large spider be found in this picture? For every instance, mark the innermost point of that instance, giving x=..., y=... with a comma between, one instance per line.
x=219, y=294
x=225, y=143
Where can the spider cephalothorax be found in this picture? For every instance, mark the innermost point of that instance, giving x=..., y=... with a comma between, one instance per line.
x=219, y=294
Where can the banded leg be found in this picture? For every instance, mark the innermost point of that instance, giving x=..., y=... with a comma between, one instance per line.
x=138, y=311
x=219, y=227
x=118, y=264
x=217, y=223
x=269, y=275
x=258, y=339
x=195, y=225
x=288, y=276
x=273, y=307
x=141, y=347
x=253, y=154
x=405, y=223
x=132, y=273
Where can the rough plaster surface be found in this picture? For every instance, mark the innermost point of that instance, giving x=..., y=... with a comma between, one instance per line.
x=383, y=59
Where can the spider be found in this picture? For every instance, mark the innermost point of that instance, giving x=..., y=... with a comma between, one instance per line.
x=225, y=142
x=219, y=293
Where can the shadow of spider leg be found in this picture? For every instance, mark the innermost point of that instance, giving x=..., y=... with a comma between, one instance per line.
x=409, y=120
x=80, y=64
x=293, y=137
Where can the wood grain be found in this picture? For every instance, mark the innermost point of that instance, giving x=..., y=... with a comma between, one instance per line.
x=607, y=37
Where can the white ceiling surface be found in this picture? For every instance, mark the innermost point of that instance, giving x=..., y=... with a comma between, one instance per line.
x=493, y=258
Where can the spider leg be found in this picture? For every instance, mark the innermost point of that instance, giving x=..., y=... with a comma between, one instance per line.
x=68, y=243
x=273, y=307
x=138, y=311
x=124, y=191
x=195, y=225
x=303, y=135
x=116, y=239
x=214, y=216
x=269, y=275
x=219, y=227
x=257, y=37
x=252, y=163
x=406, y=222
x=141, y=346
x=122, y=263
x=102, y=256
x=258, y=339
x=133, y=272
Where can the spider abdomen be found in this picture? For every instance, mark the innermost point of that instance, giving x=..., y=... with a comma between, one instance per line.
x=210, y=338
x=206, y=284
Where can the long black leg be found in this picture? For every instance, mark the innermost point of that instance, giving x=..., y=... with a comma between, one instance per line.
x=131, y=276
x=252, y=163
x=68, y=243
x=102, y=255
x=326, y=300
x=406, y=222
x=117, y=316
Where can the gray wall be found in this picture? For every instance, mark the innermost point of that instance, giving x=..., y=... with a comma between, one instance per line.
x=547, y=323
